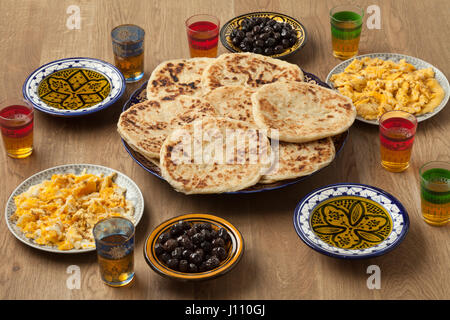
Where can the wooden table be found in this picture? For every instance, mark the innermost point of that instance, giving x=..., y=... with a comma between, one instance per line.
x=276, y=263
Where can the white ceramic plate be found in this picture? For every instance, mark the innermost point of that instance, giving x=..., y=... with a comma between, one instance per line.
x=418, y=63
x=133, y=194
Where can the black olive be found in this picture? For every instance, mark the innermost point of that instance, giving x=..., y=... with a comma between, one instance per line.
x=268, y=51
x=164, y=237
x=206, y=234
x=206, y=246
x=159, y=249
x=202, y=267
x=165, y=257
x=285, y=43
x=269, y=42
x=284, y=33
x=192, y=268
x=207, y=226
x=214, y=234
x=244, y=28
x=256, y=29
x=277, y=36
x=287, y=26
x=173, y=264
x=175, y=230
x=240, y=34
x=176, y=253
x=200, y=252
x=267, y=29
x=249, y=34
x=183, y=265
x=245, y=47
x=191, y=232
x=218, y=242
x=259, y=43
x=235, y=41
x=198, y=238
x=223, y=233
x=292, y=40
x=264, y=36
x=186, y=253
x=278, y=49
x=277, y=27
x=220, y=253
x=195, y=258
x=233, y=33
x=271, y=22
x=170, y=245
x=212, y=263
x=257, y=50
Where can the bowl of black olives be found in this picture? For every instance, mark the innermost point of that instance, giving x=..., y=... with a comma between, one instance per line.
x=194, y=247
x=268, y=33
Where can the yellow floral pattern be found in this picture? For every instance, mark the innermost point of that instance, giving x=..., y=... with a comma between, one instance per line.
x=351, y=222
x=74, y=89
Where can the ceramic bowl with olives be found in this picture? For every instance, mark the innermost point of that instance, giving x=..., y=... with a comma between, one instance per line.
x=267, y=33
x=194, y=247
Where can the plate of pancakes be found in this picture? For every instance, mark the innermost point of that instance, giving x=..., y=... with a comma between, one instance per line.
x=238, y=123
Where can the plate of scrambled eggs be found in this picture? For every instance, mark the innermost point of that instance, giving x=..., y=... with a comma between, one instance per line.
x=382, y=82
x=56, y=209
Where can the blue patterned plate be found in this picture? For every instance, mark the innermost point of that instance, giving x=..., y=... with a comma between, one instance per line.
x=74, y=86
x=140, y=95
x=133, y=194
x=396, y=57
x=352, y=221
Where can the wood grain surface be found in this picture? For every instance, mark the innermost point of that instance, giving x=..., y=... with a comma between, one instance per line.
x=276, y=263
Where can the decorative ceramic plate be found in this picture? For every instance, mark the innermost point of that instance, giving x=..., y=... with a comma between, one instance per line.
x=234, y=23
x=417, y=63
x=74, y=86
x=234, y=252
x=140, y=95
x=132, y=194
x=349, y=220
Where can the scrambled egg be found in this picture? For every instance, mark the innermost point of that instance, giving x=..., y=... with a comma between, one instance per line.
x=377, y=86
x=62, y=212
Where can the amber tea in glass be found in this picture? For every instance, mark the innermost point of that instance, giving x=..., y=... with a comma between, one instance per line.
x=435, y=192
x=114, y=242
x=346, y=24
x=203, y=35
x=397, y=130
x=128, y=48
x=16, y=123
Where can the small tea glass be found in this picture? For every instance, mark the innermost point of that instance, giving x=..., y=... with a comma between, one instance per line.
x=346, y=24
x=435, y=192
x=397, y=131
x=128, y=49
x=203, y=35
x=16, y=124
x=114, y=242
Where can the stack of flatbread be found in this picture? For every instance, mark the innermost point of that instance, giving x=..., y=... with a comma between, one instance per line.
x=226, y=124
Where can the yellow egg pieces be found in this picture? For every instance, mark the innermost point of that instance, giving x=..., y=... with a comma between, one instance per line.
x=376, y=86
x=62, y=211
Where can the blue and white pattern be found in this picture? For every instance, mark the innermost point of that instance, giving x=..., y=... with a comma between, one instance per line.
x=396, y=57
x=133, y=194
x=304, y=209
x=114, y=76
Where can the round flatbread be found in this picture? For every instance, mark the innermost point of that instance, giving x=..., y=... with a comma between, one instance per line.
x=146, y=125
x=301, y=112
x=299, y=159
x=214, y=155
x=247, y=69
x=232, y=102
x=173, y=78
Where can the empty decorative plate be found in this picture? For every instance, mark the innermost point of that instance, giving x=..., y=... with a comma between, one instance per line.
x=351, y=221
x=74, y=86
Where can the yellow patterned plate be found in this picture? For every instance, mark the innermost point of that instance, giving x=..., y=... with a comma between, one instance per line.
x=235, y=250
x=74, y=86
x=351, y=221
x=235, y=23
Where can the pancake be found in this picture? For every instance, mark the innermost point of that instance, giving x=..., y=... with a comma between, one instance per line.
x=301, y=112
x=146, y=125
x=232, y=102
x=247, y=69
x=214, y=162
x=173, y=78
x=300, y=159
